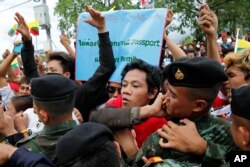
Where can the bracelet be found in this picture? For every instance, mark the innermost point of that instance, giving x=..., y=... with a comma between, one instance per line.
x=24, y=131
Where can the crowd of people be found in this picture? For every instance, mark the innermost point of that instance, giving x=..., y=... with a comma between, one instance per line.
x=192, y=110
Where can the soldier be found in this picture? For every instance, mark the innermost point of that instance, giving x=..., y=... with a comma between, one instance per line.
x=241, y=117
x=192, y=87
x=53, y=100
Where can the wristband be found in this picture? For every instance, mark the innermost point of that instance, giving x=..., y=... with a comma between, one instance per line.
x=24, y=131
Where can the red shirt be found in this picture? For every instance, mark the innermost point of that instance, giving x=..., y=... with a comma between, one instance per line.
x=144, y=129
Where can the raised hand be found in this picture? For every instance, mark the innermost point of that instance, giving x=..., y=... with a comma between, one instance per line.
x=169, y=18
x=22, y=26
x=208, y=21
x=97, y=19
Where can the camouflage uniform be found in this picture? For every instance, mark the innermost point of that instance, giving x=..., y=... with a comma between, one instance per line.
x=46, y=141
x=214, y=130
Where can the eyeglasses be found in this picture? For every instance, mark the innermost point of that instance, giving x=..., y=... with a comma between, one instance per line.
x=112, y=89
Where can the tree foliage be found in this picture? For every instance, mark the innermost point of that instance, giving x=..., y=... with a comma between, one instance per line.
x=68, y=10
x=231, y=13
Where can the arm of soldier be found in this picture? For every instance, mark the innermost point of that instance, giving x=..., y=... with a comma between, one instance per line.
x=22, y=157
x=208, y=22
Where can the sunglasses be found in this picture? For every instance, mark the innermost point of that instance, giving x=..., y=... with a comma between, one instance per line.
x=112, y=89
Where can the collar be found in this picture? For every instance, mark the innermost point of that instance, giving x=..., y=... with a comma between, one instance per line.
x=58, y=128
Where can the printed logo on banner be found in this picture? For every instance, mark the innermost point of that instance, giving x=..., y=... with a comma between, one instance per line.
x=134, y=34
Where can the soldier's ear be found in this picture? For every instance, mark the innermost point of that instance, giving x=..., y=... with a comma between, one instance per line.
x=43, y=116
x=200, y=105
x=245, y=135
x=67, y=74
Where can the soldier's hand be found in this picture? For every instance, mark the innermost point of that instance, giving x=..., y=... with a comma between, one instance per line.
x=184, y=138
x=23, y=27
x=97, y=19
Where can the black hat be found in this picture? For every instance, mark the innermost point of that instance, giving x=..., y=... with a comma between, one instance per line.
x=51, y=87
x=240, y=104
x=198, y=72
x=81, y=141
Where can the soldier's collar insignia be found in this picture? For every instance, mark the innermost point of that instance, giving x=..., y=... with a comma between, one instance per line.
x=179, y=75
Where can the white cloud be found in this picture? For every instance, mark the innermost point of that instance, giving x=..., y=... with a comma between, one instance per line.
x=27, y=10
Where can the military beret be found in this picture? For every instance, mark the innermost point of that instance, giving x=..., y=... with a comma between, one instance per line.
x=240, y=104
x=51, y=87
x=81, y=141
x=198, y=72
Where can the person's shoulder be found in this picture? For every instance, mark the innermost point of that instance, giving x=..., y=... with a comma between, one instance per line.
x=29, y=143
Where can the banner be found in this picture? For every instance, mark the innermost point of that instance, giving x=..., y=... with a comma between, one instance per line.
x=134, y=34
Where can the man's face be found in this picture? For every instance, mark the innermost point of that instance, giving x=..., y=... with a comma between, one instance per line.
x=135, y=89
x=54, y=66
x=236, y=78
x=24, y=89
x=177, y=102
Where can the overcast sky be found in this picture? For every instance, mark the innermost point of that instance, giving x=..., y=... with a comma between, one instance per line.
x=27, y=10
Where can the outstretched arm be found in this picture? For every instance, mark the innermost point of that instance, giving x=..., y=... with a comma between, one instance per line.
x=208, y=22
x=95, y=87
x=65, y=42
x=176, y=51
x=27, y=53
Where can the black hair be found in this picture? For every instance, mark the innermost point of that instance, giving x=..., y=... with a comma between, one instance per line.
x=67, y=62
x=57, y=108
x=153, y=75
x=21, y=103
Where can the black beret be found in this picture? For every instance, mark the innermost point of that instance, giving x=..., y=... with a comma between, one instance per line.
x=198, y=72
x=51, y=87
x=240, y=104
x=81, y=141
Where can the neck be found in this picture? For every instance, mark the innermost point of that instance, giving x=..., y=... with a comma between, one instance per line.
x=59, y=119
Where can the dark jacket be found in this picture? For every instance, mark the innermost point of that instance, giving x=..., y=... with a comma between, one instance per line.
x=93, y=92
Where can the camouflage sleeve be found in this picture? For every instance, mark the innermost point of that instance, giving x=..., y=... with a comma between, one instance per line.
x=29, y=144
x=151, y=148
x=215, y=154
